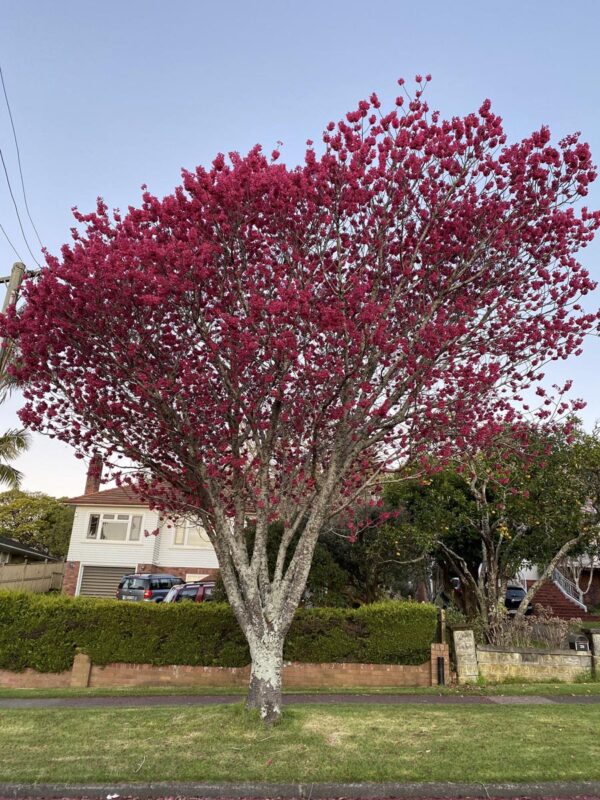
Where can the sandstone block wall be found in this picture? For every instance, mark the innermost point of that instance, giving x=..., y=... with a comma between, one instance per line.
x=496, y=664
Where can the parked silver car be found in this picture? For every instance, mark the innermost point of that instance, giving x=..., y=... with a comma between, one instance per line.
x=195, y=591
x=150, y=587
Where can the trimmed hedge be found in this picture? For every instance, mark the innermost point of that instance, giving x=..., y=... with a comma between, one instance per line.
x=44, y=631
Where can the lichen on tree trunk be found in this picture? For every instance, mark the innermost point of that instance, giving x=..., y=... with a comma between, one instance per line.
x=266, y=673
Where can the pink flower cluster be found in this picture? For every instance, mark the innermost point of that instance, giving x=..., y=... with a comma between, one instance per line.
x=390, y=298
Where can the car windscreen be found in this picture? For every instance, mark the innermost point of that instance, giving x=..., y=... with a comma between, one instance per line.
x=134, y=583
x=188, y=593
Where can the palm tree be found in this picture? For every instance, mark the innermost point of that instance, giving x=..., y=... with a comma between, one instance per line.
x=12, y=444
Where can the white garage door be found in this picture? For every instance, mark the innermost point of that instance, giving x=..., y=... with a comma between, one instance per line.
x=102, y=581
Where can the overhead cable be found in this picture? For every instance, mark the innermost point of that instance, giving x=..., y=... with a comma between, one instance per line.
x=12, y=124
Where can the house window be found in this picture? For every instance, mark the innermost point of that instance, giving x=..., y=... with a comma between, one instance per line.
x=190, y=534
x=115, y=527
x=136, y=528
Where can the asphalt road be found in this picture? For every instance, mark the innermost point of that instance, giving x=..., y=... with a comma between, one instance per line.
x=316, y=791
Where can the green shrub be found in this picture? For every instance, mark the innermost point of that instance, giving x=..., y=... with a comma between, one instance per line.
x=44, y=632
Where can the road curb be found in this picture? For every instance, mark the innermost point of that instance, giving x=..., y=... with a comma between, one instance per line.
x=318, y=791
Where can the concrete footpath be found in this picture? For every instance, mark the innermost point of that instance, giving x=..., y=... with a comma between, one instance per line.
x=136, y=701
x=307, y=791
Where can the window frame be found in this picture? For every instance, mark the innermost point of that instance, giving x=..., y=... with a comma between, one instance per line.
x=113, y=516
x=187, y=527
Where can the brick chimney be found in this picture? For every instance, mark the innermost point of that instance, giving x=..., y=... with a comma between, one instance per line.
x=94, y=474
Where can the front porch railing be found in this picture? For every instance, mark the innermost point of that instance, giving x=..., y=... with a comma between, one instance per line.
x=568, y=588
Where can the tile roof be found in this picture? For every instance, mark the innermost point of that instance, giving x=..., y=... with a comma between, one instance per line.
x=118, y=496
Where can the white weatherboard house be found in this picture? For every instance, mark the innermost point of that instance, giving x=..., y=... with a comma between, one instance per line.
x=108, y=541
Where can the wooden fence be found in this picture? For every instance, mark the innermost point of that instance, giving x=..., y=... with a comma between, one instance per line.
x=32, y=577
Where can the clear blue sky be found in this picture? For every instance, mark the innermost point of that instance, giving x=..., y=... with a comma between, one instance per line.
x=107, y=96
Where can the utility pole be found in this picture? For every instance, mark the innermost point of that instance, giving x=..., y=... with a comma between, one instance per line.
x=14, y=284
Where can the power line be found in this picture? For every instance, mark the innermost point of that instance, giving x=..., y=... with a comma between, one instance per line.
x=7, y=237
x=16, y=207
x=12, y=124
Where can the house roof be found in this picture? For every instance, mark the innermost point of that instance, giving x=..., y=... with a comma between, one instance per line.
x=118, y=496
x=13, y=546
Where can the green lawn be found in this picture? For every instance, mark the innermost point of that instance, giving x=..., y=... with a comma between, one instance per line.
x=589, y=688
x=313, y=743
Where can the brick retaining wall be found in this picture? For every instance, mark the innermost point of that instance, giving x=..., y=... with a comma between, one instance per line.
x=295, y=675
x=30, y=679
x=120, y=675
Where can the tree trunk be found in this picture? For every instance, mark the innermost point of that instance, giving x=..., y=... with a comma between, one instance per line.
x=564, y=550
x=266, y=672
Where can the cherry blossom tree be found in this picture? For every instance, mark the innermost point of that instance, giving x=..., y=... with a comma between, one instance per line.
x=268, y=340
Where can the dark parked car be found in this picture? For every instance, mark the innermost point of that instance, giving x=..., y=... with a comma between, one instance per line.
x=151, y=587
x=512, y=600
x=197, y=592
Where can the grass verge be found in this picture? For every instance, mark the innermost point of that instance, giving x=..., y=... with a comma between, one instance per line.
x=316, y=743
x=484, y=690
